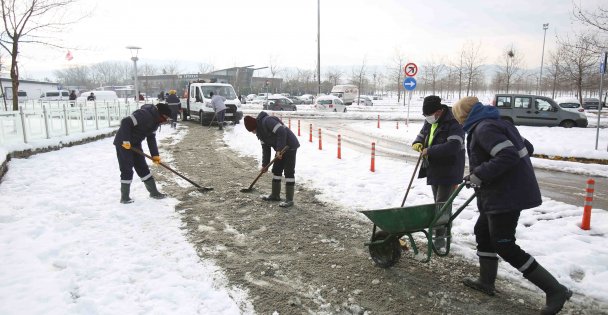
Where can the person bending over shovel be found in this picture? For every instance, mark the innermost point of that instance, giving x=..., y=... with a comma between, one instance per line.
x=272, y=133
x=140, y=125
x=503, y=178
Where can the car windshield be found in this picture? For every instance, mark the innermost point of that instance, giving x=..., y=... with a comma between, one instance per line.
x=225, y=91
x=324, y=102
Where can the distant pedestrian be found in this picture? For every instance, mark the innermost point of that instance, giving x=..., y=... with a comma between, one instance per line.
x=161, y=96
x=141, y=124
x=441, y=144
x=217, y=102
x=73, y=98
x=91, y=97
x=503, y=178
x=175, y=105
x=274, y=134
x=141, y=97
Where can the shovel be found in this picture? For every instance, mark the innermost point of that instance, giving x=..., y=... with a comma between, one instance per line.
x=264, y=170
x=200, y=188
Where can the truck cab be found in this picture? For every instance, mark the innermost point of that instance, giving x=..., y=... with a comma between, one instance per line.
x=198, y=103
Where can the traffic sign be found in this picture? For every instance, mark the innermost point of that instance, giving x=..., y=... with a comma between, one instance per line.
x=409, y=83
x=410, y=69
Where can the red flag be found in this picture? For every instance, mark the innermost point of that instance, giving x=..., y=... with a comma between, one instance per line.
x=69, y=56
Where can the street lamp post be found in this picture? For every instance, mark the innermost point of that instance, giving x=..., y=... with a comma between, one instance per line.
x=540, y=78
x=134, y=51
x=319, y=47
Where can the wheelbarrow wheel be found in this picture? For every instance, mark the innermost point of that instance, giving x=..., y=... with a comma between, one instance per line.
x=385, y=254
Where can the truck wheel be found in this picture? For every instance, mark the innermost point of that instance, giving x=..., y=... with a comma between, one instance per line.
x=567, y=124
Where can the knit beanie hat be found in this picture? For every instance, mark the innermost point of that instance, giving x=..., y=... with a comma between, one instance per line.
x=462, y=108
x=431, y=104
x=250, y=123
x=163, y=109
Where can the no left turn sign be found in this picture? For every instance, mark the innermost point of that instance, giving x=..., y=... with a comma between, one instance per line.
x=410, y=69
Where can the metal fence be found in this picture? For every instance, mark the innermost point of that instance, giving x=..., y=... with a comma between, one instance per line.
x=42, y=120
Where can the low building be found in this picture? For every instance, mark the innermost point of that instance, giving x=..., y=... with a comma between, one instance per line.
x=241, y=78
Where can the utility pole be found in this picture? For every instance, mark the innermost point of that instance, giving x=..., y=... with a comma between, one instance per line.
x=540, y=78
x=318, y=47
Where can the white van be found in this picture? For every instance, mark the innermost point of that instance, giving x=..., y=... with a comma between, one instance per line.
x=56, y=95
x=199, y=102
x=346, y=92
x=100, y=96
x=21, y=95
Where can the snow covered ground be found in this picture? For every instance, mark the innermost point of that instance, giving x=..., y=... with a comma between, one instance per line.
x=69, y=247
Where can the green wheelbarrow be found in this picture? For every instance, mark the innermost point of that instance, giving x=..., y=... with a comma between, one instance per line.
x=384, y=246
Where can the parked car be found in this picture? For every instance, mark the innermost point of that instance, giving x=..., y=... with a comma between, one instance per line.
x=295, y=100
x=570, y=104
x=329, y=103
x=363, y=100
x=592, y=103
x=250, y=97
x=534, y=110
x=258, y=100
x=307, y=98
x=279, y=103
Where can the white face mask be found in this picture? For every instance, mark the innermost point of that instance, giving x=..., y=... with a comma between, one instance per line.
x=431, y=119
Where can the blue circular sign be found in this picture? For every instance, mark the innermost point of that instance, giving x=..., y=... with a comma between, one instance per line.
x=409, y=83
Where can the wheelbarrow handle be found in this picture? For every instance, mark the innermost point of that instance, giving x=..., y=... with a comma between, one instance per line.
x=449, y=202
x=265, y=169
x=138, y=151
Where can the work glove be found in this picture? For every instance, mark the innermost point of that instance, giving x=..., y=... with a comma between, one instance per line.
x=126, y=145
x=156, y=159
x=279, y=155
x=472, y=181
x=417, y=147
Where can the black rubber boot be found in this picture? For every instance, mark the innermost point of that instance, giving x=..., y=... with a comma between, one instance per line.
x=487, y=276
x=276, y=191
x=124, y=193
x=556, y=294
x=289, y=191
x=151, y=187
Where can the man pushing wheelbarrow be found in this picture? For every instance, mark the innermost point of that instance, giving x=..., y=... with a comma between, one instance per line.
x=502, y=175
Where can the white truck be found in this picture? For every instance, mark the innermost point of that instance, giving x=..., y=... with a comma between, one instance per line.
x=346, y=92
x=198, y=102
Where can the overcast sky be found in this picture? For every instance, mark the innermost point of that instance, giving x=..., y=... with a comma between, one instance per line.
x=231, y=33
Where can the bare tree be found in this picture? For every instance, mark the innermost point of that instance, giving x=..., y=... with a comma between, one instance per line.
x=334, y=75
x=396, y=71
x=511, y=67
x=107, y=72
x=205, y=68
x=432, y=73
x=579, y=59
x=471, y=61
x=597, y=18
x=24, y=23
x=149, y=69
x=358, y=75
x=554, y=70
